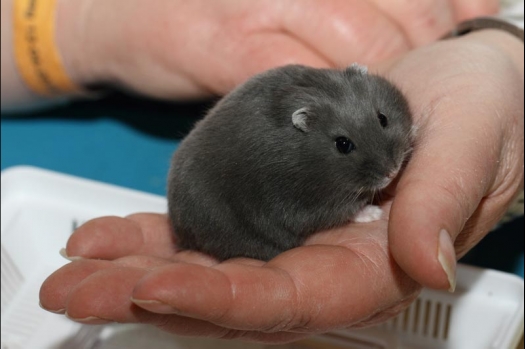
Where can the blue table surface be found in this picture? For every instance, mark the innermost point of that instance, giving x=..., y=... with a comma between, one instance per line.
x=102, y=150
x=129, y=142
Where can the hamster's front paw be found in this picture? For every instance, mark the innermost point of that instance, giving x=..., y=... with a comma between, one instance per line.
x=369, y=213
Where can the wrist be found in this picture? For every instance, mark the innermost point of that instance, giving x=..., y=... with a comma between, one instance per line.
x=115, y=43
x=496, y=33
x=77, y=43
x=503, y=42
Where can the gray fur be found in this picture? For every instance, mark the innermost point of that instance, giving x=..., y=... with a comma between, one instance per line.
x=248, y=182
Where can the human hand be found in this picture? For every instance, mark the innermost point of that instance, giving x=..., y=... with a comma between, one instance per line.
x=467, y=99
x=325, y=284
x=186, y=49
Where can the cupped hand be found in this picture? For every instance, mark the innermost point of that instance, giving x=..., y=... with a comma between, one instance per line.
x=467, y=166
x=341, y=278
x=188, y=49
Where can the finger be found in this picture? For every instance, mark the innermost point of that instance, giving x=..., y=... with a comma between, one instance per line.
x=114, y=237
x=441, y=188
x=307, y=289
x=466, y=9
x=345, y=31
x=57, y=287
x=97, y=292
x=90, y=289
x=456, y=157
x=422, y=21
x=194, y=257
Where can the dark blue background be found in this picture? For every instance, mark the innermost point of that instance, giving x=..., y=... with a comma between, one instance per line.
x=128, y=141
x=119, y=140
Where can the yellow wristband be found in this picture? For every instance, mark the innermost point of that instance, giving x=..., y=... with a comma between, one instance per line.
x=36, y=53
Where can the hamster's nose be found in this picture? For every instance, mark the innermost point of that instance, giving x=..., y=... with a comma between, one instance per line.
x=389, y=178
x=392, y=174
x=394, y=171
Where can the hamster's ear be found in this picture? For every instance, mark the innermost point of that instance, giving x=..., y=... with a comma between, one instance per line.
x=300, y=119
x=357, y=68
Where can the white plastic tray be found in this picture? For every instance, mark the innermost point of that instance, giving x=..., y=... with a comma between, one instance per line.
x=41, y=208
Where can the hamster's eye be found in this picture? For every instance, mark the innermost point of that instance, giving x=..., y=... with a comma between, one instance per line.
x=344, y=145
x=383, y=120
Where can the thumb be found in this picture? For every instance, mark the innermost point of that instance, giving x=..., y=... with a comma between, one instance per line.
x=467, y=156
x=441, y=188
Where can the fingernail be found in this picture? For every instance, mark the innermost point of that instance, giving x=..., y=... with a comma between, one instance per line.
x=63, y=253
x=90, y=320
x=59, y=311
x=447, y=258
x=155, y=306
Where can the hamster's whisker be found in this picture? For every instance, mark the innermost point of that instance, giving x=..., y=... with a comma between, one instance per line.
x=375, y=194
x=358, y=194
x=351, y=198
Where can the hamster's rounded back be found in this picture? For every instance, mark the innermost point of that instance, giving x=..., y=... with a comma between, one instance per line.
x=292, y=151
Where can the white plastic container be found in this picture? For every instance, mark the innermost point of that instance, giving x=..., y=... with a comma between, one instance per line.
x=41, y=208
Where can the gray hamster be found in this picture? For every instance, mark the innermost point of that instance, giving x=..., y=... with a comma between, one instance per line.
x=293, y=151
